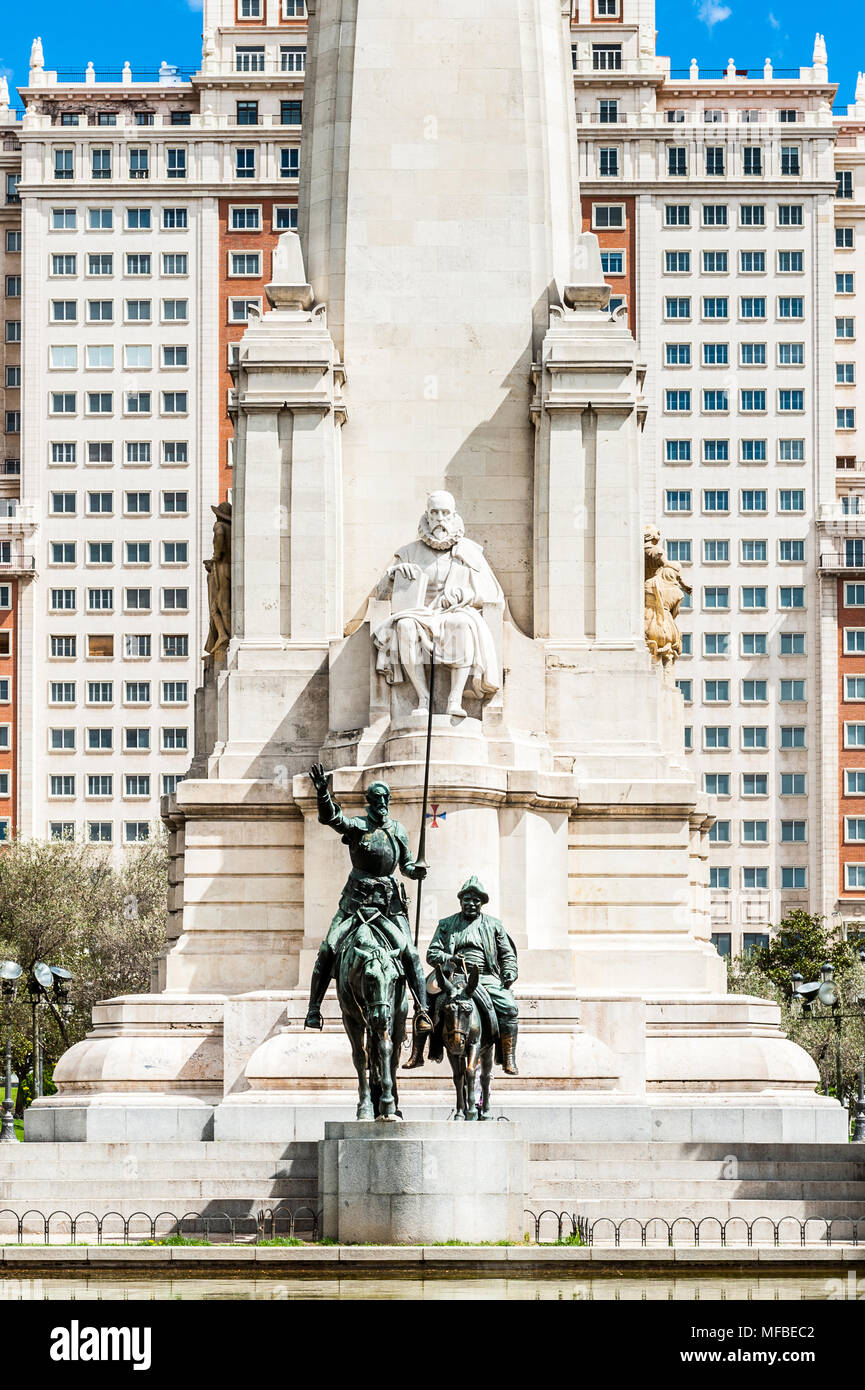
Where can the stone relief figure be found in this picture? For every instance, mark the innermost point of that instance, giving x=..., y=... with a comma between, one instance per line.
x=665, y=587
x=438, y=586
x=219, y=583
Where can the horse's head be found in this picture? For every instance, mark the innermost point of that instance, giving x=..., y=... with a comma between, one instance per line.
x=457, y=1008
x=379, y=971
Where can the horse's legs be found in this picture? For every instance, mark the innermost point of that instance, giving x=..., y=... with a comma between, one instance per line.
x=457, y=1069
x=383, y=1043
x=471, y=1078
x=355, y=1029
x=486, y=1061
x=400, y=1014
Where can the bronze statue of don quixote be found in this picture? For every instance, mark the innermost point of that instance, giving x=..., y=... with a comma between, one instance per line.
x=464, y=1007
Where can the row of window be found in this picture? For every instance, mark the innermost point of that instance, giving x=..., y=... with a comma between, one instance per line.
x=757, y=876
x=100, y=832
x=714, y=307
x=752, y=597
x=136, y=264
x=251, y=58
x=242, y=218
x=754, y=783
x=750, y=644
x=752, y=401
x=134, y=600
x=99, y=786
x=756, y=692
x=718, y=451
x=245, y=160
x=717, y=500
x=246, y=113
x=612, y=215
x=135, y=740
x=756, y=832
x=101, y=453
x=750, y=263
x=134, y=646
x=173, y=503
x=751, y=552
x=100, y=356
x=134, y=311
x=753, y=738
x=717, y=161
x=134, y=403
x=102, y=692
x=102, y=552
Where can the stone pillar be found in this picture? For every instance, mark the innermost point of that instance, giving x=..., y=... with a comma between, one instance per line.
x=417, y=1183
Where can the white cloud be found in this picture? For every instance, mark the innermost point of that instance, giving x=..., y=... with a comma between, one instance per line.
x=711, y=12
x=195, y=4
x=775, y=23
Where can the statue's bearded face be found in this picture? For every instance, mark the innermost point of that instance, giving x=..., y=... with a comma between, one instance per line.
x=441, y=526
x=378, y=802
x=471, y=904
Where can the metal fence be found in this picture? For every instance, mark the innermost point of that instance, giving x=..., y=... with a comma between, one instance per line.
x=112, y=1228
x=549, y=1227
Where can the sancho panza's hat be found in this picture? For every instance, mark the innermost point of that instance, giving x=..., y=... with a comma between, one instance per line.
x=474, y=885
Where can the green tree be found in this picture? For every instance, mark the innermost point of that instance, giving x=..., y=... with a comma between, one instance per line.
x=69, y=903
x=802, y=943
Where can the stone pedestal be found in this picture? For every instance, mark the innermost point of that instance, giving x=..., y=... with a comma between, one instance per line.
x=414, y=1183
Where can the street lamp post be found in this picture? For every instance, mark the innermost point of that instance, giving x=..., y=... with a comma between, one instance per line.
x=10, y=973
x=819, y=1000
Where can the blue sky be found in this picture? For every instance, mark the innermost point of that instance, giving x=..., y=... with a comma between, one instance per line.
x=109, y=31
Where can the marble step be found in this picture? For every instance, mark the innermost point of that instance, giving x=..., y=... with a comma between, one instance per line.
x=589, y=1170
x=48, y=1192
x=703, y=1188
x=639, y=1152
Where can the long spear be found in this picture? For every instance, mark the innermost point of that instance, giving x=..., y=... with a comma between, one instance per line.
x=421, y=846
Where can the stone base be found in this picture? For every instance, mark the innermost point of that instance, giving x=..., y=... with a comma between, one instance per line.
x=554, y=1116
x=119, y=1119
x=416, y=1183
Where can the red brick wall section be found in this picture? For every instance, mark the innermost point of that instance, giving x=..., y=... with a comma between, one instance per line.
x=231, y=287
x=618, y=239
x=849, y=757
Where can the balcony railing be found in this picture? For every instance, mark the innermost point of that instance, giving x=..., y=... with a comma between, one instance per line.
x=18, y=563
x=843, y=561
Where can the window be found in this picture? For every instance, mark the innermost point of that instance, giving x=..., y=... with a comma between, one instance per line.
x=100, y=553
x=714, y=159
x=752, y=402
x=62, y=647
x=844, y=282
x=720, y=833
x=843, y=239
x=791, y=354
x=716, y=644
x=677, y=262
x=677, y=500
x=138, y=263
x=100, y=402
x=791, y=500
x=249, y=262
x=677, y=215
x=845, y=418
x=677, y=401
x=793, y=876
x=716, y=783
x=677, y=308
x=791, y=450
x=294, y=59
x=793, y=784
x=752, y=215
x=714, y=214
x=606, y=57
x=845, y=373
x=753, y=450
x=100, y=692
x=751, y=307
x=62, y=552
x=680, y=551
x=239, y=309
x=175, y=644
x=716, y=451
x=175, y=740
x=716, y=500
x=755, y=784
x=175, y=503
x=754, y=597
x=790, y=160
x=754, y=500
x=175, y=451
x=291, y=112
x=715, y=262
x=752, y=159
x=62, y=692
x=63, y=402
x=854, y=687
x=719, y=878
x=138, y=356
x=716, y=692
x=678, y=451
x=755, y=832
x=716, y=552
x=138, y=310
x=244, y=162
x=177, y=553
x=793, y=735
x=62, y=785
x=845, y=328
x=608, y=162
x=716, y=736
x=790, y=262
x=175, y=310
x=245, y=219
x=792, y=692
x=62, y=311
x=175, y=692
x=138, y=220
x=247, y=113
x=175, y=164
x=100, y=164
x=754, y=692
x=854, y=595
x=715, y=402
x=716, y=596
x=137, y=693
x=716, y=354
x=791, y=402
x=791, y=552
x=63, y=503
x=60, y=358
x=175, y=219
x=716, y=307
x=175, y=600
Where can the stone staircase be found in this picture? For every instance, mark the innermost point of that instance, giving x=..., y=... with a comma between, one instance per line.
x=697, y=1180
x=591, y=1180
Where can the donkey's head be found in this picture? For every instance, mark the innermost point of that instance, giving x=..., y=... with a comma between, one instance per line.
x=458, y=1008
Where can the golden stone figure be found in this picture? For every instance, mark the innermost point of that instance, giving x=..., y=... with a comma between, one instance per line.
x=664, y=589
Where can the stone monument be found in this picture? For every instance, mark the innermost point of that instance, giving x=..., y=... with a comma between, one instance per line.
x=439, y=343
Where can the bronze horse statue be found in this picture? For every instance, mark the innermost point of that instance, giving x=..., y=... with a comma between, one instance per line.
x=370, y=986
x=468, y=1042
